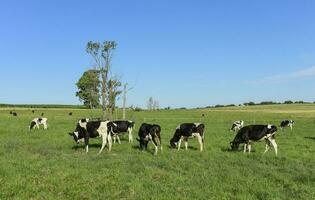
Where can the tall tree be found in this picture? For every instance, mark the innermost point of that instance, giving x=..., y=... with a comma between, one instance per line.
x=113, y=86
x=125, y=99
x=88, y=88
x=102, y=55
x=150, y=103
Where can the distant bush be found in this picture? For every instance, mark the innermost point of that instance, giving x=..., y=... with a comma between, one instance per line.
x=137, y=109
x=249, y=103
x=288, y=102
x=267, y=103
x=299, y=102
x=218, y=106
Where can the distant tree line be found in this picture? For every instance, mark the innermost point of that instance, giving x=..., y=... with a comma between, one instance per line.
x=261, y=103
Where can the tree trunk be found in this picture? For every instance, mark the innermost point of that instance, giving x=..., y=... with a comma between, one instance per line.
x=104, y=81
x=124, y=101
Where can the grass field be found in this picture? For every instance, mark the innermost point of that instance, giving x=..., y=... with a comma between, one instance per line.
x=47, y=165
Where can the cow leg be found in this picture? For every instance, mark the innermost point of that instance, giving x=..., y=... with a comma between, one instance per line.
x=179, y=143
x=267, y=146
x=274, y=144
x=114, y=138
x=245, y=146
x=155, y=146
x=249, y=147
x=104, y=141
x=37, y=125
x=86, y=141
x=45, y=126
x=186, y=144
x=291, y=126
x=109, y=138
x=200, y=142
x=130, y=135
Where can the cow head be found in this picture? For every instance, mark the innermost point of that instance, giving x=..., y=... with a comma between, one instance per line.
x=234, y=145
x=271, y=129
x=33, y=123
x=78, y=133
x=175, y=139
x=143, y=143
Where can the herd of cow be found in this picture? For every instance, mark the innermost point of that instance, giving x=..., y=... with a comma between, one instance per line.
x=111, y=130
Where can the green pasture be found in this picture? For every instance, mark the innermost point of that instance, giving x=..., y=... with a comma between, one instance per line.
x=48, y=164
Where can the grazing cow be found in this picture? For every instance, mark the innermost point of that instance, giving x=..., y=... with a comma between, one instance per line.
x=86, y=129
x=70, y=113
x=188, y=130
x=38, y=121
x=253, y=133
x=14, y=114
x=237, y=125
x=122, y=127
x=287, y=123
x=150, y=132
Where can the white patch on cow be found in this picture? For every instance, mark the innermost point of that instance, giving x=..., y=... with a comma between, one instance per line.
x=178, y=127
x=76, y=134
x=269, y=126
x=81, y=140
x=197, y=124
x=103, y=132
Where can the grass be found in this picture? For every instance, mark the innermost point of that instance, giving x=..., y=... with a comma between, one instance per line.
x=47, y=165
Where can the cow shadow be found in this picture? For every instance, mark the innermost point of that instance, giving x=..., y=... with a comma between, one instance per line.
x=82, y=146
x=311, y=138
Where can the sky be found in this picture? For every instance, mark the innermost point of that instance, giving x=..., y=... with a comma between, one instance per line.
x=183, y=53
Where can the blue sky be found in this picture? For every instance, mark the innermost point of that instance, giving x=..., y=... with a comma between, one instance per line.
x=182, y=53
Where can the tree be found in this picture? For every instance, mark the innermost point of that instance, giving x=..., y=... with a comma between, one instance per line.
x=88, y=88
x=113, y=86
x=150, y=103
x=102, y=55
x=125, y=99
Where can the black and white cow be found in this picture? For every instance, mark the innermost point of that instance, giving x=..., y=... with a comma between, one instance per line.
x=253, y=133
x=237, y=125
x=122, y=127
x=86, y=129
x=150, y=132
x=287, y=123
x=38, y=121
x=188, y=130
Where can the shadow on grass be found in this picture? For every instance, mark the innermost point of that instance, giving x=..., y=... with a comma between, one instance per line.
x=83, y=146
x=311, y=138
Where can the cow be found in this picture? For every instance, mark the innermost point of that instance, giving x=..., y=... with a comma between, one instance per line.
x=42, y=114
x=11, y=112
x=287, y=123
x=188, y=130
x=253, y=133
x=33, y=111
x=86, y=129
x=122, y=127
x=14, y=114
x=237, y=125
x=150, y=132
x=38, y=121
x=70, y=113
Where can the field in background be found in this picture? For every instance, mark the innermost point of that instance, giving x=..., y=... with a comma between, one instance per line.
x=42, y=164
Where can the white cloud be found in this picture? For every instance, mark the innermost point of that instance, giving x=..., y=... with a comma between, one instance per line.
x=308, y=72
